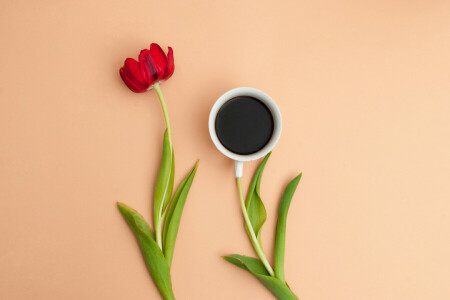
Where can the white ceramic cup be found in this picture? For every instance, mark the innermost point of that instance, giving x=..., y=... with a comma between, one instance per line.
x=276, y=115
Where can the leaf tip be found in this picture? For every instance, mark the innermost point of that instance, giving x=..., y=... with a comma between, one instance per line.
x=228, y=258
x=194, y=169
x=123, y=208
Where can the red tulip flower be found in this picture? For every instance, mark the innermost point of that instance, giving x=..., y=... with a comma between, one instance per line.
x=152, y=68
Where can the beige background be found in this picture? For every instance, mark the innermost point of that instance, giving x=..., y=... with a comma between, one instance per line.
x=363, y=87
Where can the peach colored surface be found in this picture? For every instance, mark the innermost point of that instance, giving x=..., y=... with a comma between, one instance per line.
x=363, y=87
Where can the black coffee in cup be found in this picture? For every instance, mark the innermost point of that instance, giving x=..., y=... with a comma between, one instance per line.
x=244, y=125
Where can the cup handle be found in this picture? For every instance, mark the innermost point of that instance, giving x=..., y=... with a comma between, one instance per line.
x=238, y=168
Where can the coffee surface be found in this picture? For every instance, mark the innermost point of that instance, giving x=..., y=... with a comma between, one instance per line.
x=244, y=125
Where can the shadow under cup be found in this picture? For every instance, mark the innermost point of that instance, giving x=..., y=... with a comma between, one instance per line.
x=245, y=124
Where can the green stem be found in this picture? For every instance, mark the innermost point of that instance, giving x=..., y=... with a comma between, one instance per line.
x=166, y=113
x=158, y=235
x=159, y=230
x=158, y=227
x=252, y=235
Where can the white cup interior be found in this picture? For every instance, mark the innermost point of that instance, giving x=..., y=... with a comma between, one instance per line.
x=264, y=98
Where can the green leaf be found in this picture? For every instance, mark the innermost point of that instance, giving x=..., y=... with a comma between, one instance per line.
x=256, y=267
x=132, y=215
x=250, y=264
x=171, y=207
x=164, y=183
x=154, y=258
x=254, y=205
x=280, y=235
x=174, y=215
x=171, y=180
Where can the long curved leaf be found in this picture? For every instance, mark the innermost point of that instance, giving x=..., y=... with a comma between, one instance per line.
x=171, y=180
x=280, y=235
x=171, y=207
x=254, y=205
x=164, y=183
x=256, y=267
x=154, y=258
x=174, y=215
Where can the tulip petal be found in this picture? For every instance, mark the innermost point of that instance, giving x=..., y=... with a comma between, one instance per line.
x=160, y=60
x=147, y=68
x=153, y=63
x=131, y=75
x=170, y=64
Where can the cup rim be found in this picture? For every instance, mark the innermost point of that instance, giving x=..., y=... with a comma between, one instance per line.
x=261, y=96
